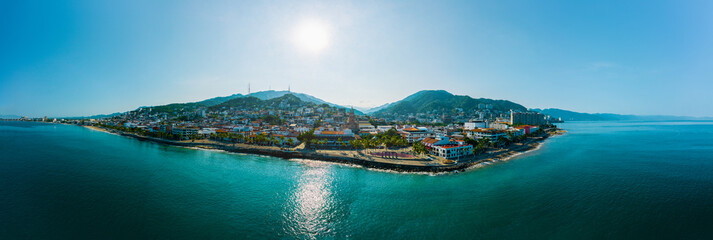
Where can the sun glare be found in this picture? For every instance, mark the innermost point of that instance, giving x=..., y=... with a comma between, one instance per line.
x=312, y=36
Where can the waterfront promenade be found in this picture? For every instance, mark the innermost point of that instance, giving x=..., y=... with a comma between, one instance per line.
x=405, y=162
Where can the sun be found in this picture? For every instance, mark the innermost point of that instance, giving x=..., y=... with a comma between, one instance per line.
x=312, y=35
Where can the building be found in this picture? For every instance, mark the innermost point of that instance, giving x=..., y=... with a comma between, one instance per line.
x=475, y=124
x=527, y=129
x=527, y=118
x=335, y=138
x=207, y=131
x=384, y=128
x=185, y=131
x=447, y=148
x=499, y=125
x=413, y=134
x=365, y=126
x=490, y=133
x=351, y=122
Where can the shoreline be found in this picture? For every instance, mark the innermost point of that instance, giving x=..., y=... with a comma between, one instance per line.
x=354, y=157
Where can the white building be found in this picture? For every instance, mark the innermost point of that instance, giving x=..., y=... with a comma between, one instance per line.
x=366, y=127
x=384, y=128
x=499, y=125
x=413, y=134
x=242, y=128
x=185, y=131
x=444, y=147
x=475, y=124
x=490, y=133
x=207, y=131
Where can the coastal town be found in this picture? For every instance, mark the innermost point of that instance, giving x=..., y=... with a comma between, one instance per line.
x=291, y=128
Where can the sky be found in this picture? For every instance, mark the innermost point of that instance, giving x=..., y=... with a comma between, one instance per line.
x=80, y=58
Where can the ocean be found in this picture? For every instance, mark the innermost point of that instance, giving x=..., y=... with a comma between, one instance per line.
x=601, y=180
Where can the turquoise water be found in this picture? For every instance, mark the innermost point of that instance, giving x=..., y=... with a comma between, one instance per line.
x=602, y=180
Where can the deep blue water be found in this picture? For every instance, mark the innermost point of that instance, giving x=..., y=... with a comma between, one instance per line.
x=602, y=180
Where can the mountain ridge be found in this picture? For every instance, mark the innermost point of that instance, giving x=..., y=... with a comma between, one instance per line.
x=419, y=101
x=262, y=95
x=441, y=100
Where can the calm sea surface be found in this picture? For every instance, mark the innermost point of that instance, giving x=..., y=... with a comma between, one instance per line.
x=602, y=180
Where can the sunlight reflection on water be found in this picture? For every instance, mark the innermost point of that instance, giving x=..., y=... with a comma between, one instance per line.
x=309, y=212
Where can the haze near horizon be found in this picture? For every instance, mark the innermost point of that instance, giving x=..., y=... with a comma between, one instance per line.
x=80, y=58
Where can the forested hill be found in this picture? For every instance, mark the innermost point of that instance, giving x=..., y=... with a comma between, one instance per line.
x=443, y=101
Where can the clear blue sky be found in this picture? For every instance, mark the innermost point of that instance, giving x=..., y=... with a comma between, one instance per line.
x=72, y=58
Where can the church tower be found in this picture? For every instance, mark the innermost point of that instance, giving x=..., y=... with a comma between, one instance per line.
x=351, y=123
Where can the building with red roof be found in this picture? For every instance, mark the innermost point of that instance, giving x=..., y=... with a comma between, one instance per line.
x=447, y=148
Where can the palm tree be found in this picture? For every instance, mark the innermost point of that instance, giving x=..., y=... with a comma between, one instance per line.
x=502, y=141
x=484, y=141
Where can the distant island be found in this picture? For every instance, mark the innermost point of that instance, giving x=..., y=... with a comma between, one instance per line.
x=429, y=131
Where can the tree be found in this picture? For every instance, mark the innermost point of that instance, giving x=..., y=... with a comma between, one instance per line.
x=261, y=139
x=502, y=141
x=479, y=149
x=419, y=148
x=470, y=141
x=306, y=137
x=485, y=141
x=318, y=123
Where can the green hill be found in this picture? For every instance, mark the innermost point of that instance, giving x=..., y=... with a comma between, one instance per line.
x=192, y=106
x=287, y=101
x=249, y=100
x=443, y=101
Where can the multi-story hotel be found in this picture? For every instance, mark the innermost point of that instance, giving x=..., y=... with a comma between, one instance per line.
x=527, y=118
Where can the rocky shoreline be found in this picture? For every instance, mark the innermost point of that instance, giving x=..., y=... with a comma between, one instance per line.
x=314, y=155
